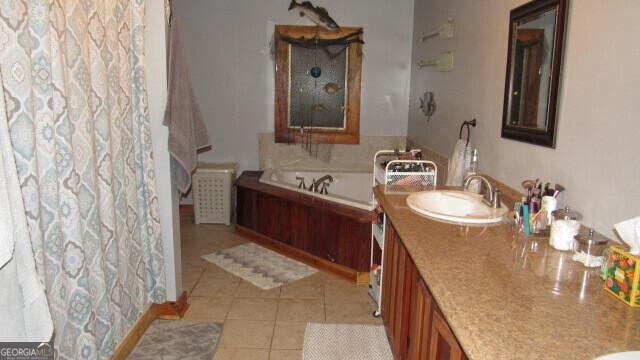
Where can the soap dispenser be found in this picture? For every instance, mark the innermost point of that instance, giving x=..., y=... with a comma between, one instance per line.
x=475, y=185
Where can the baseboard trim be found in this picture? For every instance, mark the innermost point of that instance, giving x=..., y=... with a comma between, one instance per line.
x=303, y=256
x=186, y=209
x=129, y=342
x=174, y=310
x=170, y=310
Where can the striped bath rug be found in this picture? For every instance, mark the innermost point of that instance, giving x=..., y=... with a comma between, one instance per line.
x=263, y=268
x=177, y=340
x=345, y=342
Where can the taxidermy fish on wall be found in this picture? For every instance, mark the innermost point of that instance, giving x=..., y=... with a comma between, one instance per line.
x=317, y=14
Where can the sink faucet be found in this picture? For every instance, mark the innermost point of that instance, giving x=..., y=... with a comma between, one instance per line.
x=492, y=197
x=324, y=182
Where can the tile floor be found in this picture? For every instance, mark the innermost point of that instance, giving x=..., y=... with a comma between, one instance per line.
x=261, y=324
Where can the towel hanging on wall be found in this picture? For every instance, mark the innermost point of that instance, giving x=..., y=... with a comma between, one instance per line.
x=187, y=129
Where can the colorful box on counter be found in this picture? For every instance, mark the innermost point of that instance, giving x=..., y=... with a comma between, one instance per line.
x=623, y=275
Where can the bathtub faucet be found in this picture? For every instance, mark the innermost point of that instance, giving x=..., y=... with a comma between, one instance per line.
x=322, y=184
x=301, y=185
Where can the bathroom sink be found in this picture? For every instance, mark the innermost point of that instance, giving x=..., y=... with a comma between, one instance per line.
x=455, y=206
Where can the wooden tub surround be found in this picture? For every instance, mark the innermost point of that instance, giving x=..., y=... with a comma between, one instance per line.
x=324, y=234
x=455, y=292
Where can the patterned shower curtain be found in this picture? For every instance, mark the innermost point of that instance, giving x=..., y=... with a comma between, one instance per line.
x=74, y=85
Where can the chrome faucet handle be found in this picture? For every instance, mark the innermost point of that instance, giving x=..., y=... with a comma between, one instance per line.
x=325, y=185
x=495, y=201
x=301, y=185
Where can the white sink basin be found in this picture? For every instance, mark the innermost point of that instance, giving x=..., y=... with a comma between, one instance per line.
x=455, y=206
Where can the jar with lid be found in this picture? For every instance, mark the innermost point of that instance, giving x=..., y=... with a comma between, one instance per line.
x=589, y=248
x=565, y=225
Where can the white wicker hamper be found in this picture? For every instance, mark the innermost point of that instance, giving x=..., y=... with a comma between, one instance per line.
x=213, y=199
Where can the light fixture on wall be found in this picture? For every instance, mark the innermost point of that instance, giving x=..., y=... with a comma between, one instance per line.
x=444, y=62
x=445, y=31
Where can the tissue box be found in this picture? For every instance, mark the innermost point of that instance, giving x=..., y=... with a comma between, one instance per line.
x=623, y=273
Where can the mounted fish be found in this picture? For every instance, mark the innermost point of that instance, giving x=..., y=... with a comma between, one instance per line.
x=317, y=14
x=332, y=88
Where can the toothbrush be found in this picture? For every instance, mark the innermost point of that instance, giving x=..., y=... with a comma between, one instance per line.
x=525, y=217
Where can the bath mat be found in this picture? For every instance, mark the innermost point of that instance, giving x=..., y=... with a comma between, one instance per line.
x=178, y=339
x=346, y=342
x=263, y=268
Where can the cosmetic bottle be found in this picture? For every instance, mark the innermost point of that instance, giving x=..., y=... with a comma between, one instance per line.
x=475, y=185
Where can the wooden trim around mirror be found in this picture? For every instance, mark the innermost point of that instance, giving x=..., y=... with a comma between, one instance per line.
x=349, y=135
x=531, y=135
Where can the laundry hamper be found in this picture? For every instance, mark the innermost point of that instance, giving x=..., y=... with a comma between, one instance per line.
x=213, y=199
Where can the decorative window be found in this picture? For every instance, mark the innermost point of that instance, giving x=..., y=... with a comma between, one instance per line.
x=317, y=90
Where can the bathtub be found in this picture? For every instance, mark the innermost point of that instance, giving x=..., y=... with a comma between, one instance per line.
x=348, y=188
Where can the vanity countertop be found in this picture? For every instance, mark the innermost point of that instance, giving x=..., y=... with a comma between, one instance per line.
x=510, y=297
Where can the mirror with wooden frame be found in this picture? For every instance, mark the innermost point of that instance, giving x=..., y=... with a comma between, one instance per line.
x=317, y=84
x=534, y=61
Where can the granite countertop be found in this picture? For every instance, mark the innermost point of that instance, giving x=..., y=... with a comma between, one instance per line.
x=510, y=297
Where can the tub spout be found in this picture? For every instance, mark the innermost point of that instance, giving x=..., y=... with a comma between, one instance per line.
x=321, y=184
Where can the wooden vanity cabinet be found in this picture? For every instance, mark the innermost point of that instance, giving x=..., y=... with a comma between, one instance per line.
x=415, y=326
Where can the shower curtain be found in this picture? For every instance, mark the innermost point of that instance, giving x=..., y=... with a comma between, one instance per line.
x=74, y=86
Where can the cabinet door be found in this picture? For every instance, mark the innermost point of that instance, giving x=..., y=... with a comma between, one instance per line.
x=420, y=322
x=444, y=345
x=388, y=277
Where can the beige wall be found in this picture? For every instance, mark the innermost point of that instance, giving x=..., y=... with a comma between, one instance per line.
x=228, y=48
x=596, y=156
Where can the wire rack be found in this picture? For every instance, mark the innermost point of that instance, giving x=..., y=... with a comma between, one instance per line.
x=388, y=170
x=411, y=173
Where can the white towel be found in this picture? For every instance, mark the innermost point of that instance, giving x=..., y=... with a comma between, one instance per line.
x=459, y=163
x=187, y=129
x=24, y=311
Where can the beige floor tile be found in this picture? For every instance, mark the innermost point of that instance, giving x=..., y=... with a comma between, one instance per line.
x=190, y=276
x=301, y=310
x=340, y=290
x=311, y=287
x=285, y=355
x=248, y=290
x=351, y=312
x=288, y=335
x=241, y=354
x=246, y=334
x=208, y=308
x=253, y=309
x=248, y=312
x=216, y=286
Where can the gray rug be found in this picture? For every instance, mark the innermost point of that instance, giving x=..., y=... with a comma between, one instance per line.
x=178, y=339
x=345, y=342
x=262, y=267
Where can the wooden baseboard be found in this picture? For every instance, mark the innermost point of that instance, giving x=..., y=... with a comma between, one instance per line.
x=186, y=209
x=303, y=256
x=174, y=310
x=170, y=310
x=128, y=343
x=363, y=278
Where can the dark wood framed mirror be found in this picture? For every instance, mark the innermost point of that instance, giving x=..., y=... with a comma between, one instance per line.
x=534, y=62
